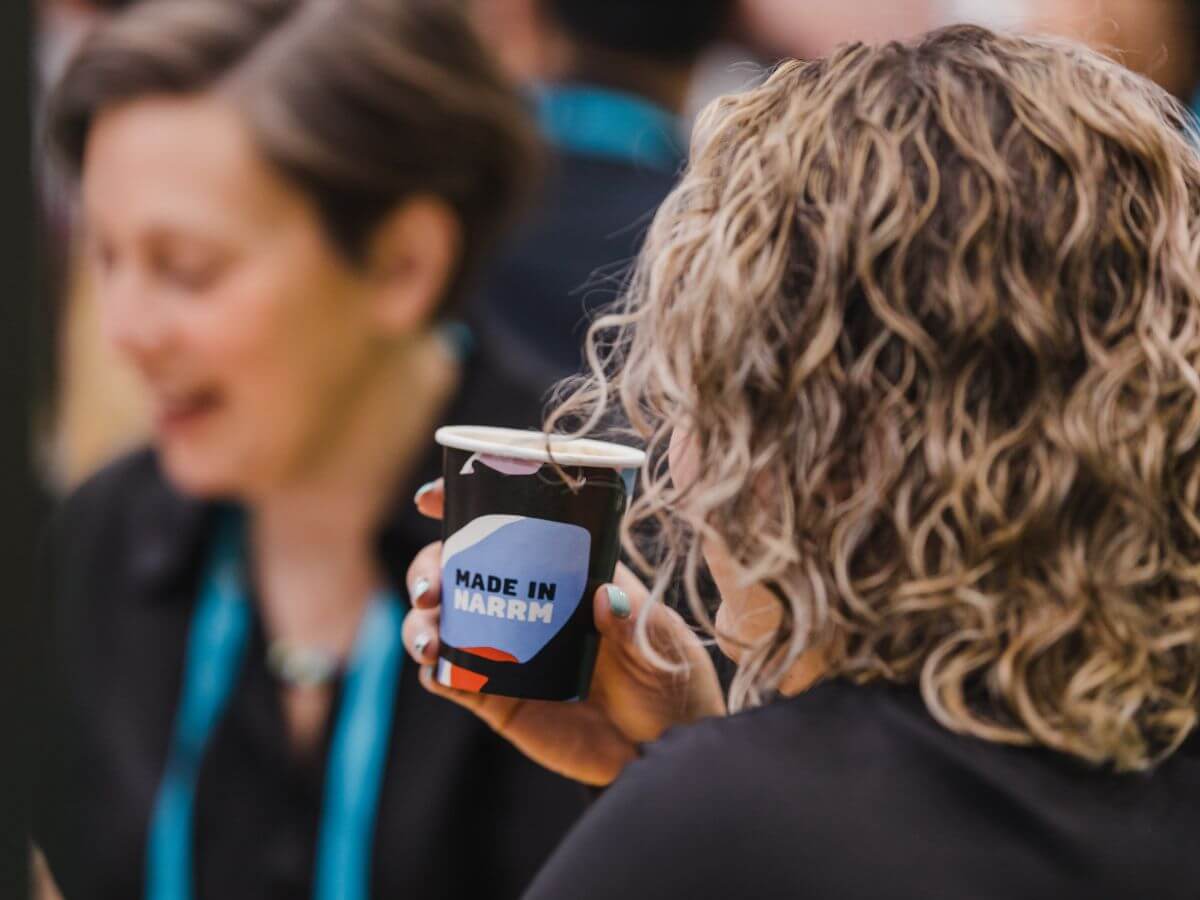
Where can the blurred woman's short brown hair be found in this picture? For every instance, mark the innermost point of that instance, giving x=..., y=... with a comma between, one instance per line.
x=931, y=315
x=361, y=103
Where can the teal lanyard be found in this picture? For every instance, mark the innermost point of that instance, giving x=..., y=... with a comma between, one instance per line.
x=216, y=645
x=595, y=121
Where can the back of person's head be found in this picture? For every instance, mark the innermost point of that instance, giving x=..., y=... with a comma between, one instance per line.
x=360, y=103
x=667, y=30
x=930, y=313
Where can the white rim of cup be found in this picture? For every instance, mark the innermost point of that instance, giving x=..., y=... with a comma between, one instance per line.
x=492, y=441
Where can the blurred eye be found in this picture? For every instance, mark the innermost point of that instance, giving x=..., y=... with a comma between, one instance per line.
x=192, y=273
x=190, y=277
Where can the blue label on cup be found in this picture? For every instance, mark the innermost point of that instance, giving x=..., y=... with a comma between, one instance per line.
x=510, y=584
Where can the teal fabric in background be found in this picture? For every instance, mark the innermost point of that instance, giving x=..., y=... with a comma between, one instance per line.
x=595, y=121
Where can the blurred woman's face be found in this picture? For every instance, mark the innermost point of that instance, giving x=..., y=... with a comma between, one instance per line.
x=216, y=281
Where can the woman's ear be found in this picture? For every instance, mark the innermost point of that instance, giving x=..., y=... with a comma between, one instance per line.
x=413, y=257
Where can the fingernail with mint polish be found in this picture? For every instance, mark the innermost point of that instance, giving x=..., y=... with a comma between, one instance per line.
x=618, y=602
x=423, y=490
x=420, y=586
x=421, y=643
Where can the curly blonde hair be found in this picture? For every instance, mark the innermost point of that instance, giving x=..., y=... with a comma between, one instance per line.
x=930, y=313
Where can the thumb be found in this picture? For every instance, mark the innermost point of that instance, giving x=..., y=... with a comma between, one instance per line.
x=617, y=605
x=613, y=612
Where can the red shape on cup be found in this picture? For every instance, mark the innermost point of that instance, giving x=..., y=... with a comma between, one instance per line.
x=491, y=653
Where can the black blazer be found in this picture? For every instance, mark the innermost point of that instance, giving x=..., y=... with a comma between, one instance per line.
x=461, y=813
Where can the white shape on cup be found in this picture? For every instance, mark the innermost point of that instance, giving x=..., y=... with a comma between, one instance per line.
x=474, y=532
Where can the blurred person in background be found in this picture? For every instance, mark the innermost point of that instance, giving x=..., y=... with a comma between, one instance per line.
x=529, y=47
x=915, y=348
x=813, y=28
x=609, y=108
x=765, y=31
x=280, y=198
x=1156, y=38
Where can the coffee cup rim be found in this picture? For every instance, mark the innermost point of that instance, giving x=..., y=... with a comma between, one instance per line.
x=491, y=440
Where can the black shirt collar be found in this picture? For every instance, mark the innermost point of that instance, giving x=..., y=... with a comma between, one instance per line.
x=171, y=533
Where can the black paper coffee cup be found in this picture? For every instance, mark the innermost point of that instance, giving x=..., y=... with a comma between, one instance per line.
x=524, y=551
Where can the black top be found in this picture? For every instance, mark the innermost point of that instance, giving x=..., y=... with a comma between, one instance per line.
x=461, y=813
x=570, y=257
x=855, y=793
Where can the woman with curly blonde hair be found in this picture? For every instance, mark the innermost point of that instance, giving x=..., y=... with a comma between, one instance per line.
x=915, y=348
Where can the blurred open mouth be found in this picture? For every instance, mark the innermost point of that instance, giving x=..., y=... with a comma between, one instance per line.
x=177, y=412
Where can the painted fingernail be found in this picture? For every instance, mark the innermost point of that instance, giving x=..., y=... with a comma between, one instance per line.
x=421, y=643
x=618, y=602
x=423, y=490
x=420, y=586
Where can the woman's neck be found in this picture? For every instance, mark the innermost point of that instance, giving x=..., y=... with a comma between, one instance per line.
x=312, y=536
x=804, y=673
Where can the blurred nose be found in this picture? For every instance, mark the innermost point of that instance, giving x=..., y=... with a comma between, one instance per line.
x=135, y=325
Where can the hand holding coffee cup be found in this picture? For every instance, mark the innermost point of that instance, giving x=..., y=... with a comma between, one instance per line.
x=631, y=701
